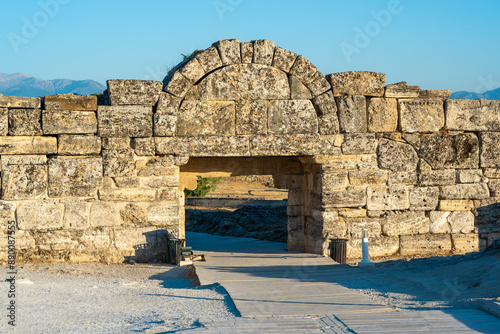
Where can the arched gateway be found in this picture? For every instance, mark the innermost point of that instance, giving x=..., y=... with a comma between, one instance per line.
x=102, y=177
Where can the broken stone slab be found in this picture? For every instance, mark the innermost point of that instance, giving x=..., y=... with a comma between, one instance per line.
x=133, y=214
x=298, y=91
x=263, y=52
x=424, y=198
x=490, y=149
x=401, y=90
x=125, y=121
x=303, y=69
x=387, y=198
x=472, y=115
x=352, y=113
x=70, y=102
x=25, y=122
x=439, y=222
x=251, y=117
x=229, y=51
x=78, y=145
x=246, y=52
x=144, y=146
x=283, y=59
x=245, y=82
x=134, y=92
x=359, y=143
x=382, y=115
x=465, y=191
x=287, y=117
x=461, y=222
x=127, y=195
x=168, y=104
x=24, y=177
x=444, y=151
x=421, y=115
x=177, y=84
x=203, y=146
x=357, y=83
x=434, y=93
x=318, y=84
x=69, y=122
x=396, y=156
x=209, y=59
x=205, y=118
x=425, y=244
x=344, y=199
x=20, y=102
x=74, y=176
x=28, y=145
x=39, y=215
x=406, y=223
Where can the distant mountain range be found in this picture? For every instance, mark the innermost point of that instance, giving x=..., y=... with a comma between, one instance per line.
x=489, y=95
x=19, y=84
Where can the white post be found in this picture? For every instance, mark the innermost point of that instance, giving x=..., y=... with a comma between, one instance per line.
x=365, y=262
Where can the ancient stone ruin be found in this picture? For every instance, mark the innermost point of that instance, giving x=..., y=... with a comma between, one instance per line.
x=101, y=178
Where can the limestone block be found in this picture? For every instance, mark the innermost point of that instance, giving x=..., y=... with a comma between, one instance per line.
x=74, y=176
x=245, y=82
x=177, y=84
x=299, y=91
x=76, y=216
x=352, y=113
x=435, y=93
x=20, y=102
x=69, y=122
x=303, y=69
x=192, y=70
x=25, y=122
x=426, y=244
x=328, y=124
x=456, y=205
x=469, y=175
x=134, y=92
x=387, y=198
x=197, y=118
x=327, y=109
x=396, y=156
x=56, y=241
x=357, y=83
x=229, y=51
x=70, y=102
x=25, y=240
x=263, y=52
x=171, y=194
x=465, y=243
x=352, y=213
x=118, y=162
x=406, y=223
x=295, y=197
x=436, y=178
x=164, y=215
x=158, y=166
x=24, y=177
x=127, y=195
x=465, y=191
x=133, y=214
x=294, y=210
x=472, y=115
x=78, y=145
x=251, y=117
x=144, y=146
x=401, y=90
x=116, y=143
x=4, y=121
x=377, y=247
x=439, y=222
x=209, y=59
x=443, y=151
x=203, y=146
x=356, y=225
x=344, y=199
x=493, y=173
x=318, y=84
x=7, y=213
x=246, y=52
x=424, y=198
x=165, y=125
x=359, y=143
x=288, y=145
x=28, y=145
x=127, y=182
x=104, y=214
x=283, y=59
x=368, y=177
x=334, y=181
x=382, y=115
x=98, y=240
x=39, y=215
x=125, y=121
x=461, y=222
x=490, y=150
x=494, y=186
x=421, y=115
x=160, y=181
x=402, y=178
x=168, y=104
x=292, y=117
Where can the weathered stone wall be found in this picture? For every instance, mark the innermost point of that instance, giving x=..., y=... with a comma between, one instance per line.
x=101, y=177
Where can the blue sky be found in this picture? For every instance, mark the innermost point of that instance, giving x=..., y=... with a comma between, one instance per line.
x=434, y=44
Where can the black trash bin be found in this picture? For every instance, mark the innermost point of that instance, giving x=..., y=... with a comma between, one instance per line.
x=338, y=250
x=174, y=250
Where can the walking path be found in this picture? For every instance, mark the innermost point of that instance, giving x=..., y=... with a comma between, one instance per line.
x=279, y=291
